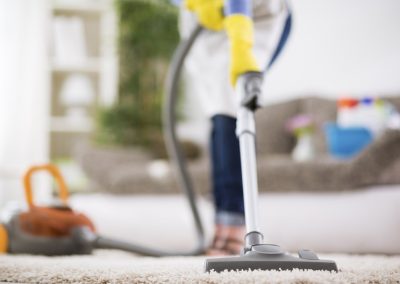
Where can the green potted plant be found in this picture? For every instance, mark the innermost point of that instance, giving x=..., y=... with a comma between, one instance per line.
x=148, y=35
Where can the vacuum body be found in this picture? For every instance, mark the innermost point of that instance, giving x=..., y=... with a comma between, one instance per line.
x=22, y=242
x=53, y=230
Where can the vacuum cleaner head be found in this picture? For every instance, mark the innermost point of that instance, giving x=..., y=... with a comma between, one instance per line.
x=270, y=257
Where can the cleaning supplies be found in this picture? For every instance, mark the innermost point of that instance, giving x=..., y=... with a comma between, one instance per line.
x=370, y=113
x=359, y=122
x=373, y=114
x=347, y=113
x=353, y=131
x=346, y=142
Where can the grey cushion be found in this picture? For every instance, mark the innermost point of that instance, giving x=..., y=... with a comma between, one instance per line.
x=321, y=111
x=377, y=164
x=272, y=138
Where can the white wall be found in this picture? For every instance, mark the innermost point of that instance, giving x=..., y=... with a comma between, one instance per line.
x=339, y=47
x=23, y=89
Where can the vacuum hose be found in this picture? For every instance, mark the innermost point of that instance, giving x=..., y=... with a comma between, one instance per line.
x=176, y=155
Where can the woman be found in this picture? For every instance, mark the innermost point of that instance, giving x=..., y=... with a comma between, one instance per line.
x=241, y=36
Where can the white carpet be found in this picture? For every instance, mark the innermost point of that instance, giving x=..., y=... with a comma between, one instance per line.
x=118, y=267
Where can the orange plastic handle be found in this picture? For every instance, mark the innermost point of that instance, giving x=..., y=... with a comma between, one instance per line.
x=3, y=239
x=54, y=171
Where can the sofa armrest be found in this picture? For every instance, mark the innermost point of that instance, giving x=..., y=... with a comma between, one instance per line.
x=376, y=159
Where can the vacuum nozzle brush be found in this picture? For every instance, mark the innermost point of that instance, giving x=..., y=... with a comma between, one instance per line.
x=270, y=257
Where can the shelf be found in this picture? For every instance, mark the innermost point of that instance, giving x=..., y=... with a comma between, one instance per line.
x=82, y=37
x=66, y=124
x=85, y=66
x=79, y=8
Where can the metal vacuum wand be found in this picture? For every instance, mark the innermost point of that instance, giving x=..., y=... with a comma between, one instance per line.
x=248, y=91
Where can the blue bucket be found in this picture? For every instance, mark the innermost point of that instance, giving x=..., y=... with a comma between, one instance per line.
x=346, y=142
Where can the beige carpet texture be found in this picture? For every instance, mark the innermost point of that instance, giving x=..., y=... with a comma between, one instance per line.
x=119, y=267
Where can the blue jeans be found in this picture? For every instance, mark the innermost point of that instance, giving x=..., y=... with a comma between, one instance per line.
x=226, y=171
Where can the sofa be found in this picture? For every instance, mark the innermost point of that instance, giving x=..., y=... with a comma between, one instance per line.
x=125, y=171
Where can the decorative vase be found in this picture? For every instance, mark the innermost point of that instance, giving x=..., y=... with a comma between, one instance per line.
x=304, y=149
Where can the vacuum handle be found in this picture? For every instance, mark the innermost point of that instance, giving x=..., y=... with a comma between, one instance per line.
x=251, y=84
x=54, y=171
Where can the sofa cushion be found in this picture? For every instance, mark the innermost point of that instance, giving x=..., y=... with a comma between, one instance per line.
x=376, y=164
x=322, y=111
x=272, y=138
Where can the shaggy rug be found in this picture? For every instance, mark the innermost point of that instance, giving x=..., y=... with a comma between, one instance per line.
x=118, y=267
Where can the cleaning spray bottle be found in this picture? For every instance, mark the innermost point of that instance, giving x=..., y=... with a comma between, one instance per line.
x=347, y=115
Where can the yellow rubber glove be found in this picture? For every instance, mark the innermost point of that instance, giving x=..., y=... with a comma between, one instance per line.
x=209, y=12
x=240, y=32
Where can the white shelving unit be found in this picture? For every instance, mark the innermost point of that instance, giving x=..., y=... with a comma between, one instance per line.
x=90, y=65
x=98, y=65
x=80, y=7
x=65, y=125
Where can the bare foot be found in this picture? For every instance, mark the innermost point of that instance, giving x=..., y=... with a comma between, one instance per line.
x=228, y=240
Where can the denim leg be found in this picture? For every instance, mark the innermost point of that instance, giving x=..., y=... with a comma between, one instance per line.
x=226, y=171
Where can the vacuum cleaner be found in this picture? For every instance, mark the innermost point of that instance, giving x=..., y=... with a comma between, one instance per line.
x=59, y=230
